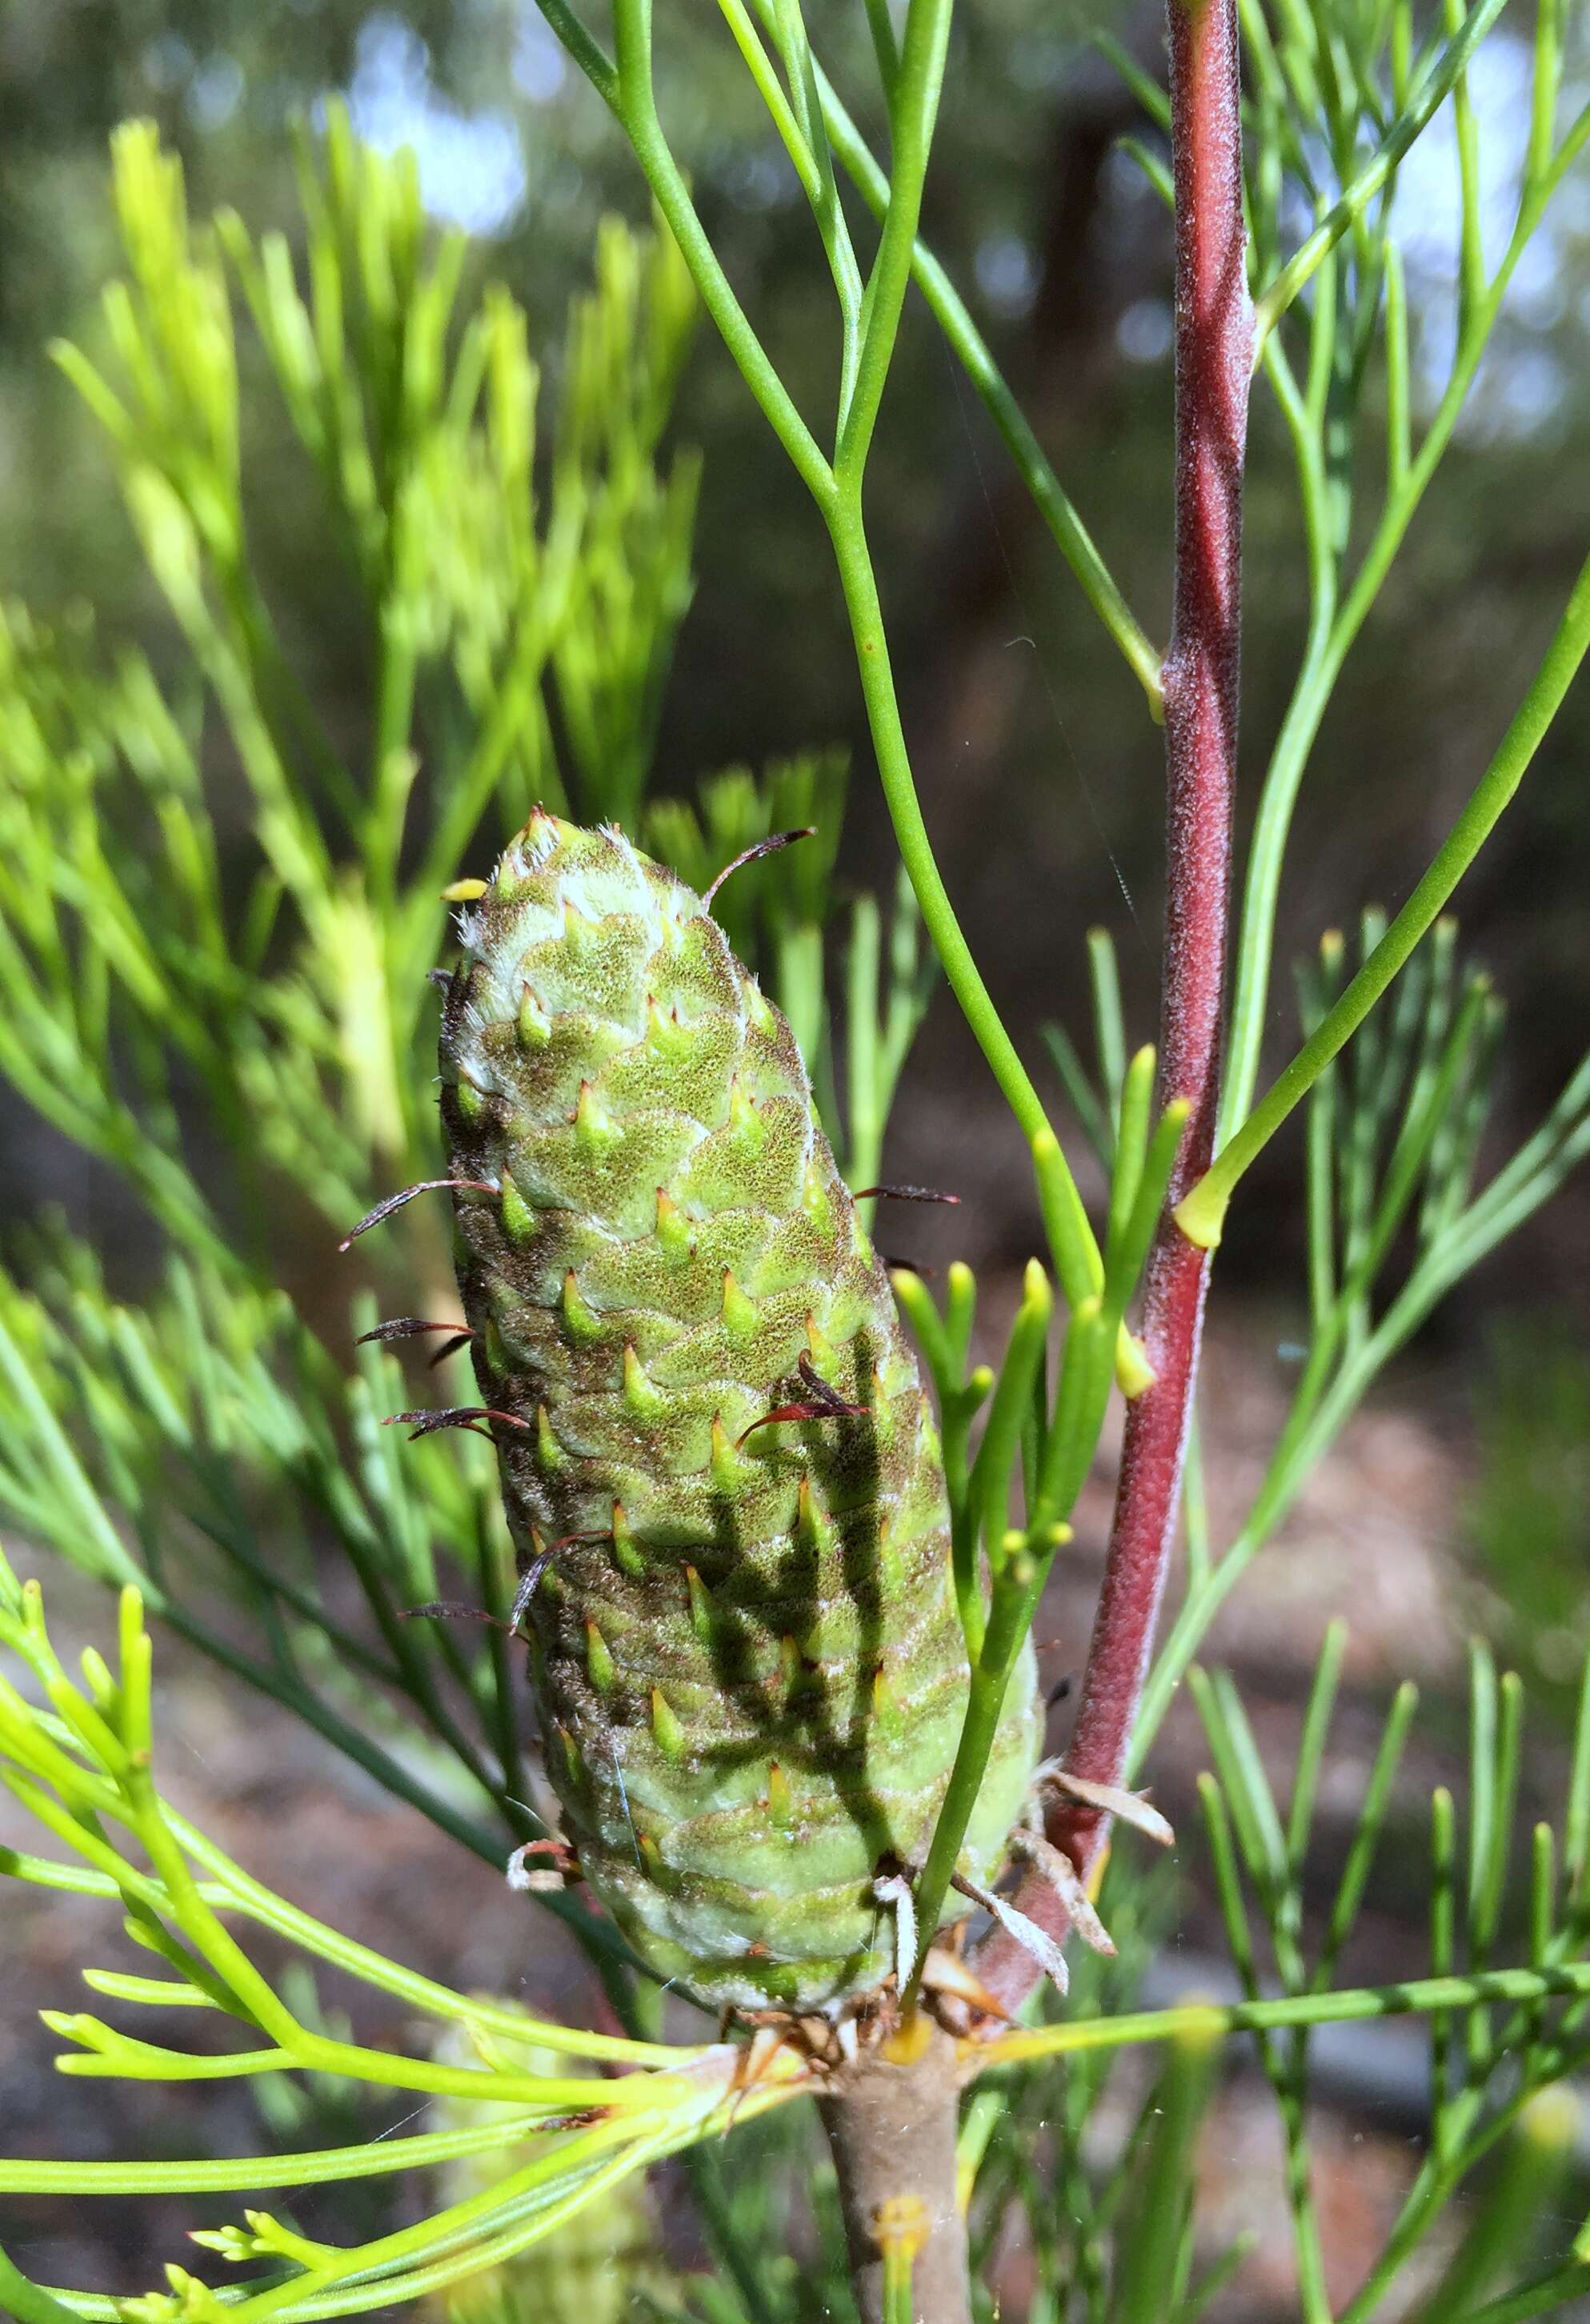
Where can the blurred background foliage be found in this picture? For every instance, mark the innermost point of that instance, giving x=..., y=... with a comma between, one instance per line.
x=1036, y=769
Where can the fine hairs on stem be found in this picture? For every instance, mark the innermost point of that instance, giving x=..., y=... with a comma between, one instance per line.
x=1214, y=342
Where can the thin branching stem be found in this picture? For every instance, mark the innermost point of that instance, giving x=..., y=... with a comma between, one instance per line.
x=1408, y=481
x=1203, y=1209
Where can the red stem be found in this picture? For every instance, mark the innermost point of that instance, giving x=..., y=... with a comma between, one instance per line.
x=1214, y=353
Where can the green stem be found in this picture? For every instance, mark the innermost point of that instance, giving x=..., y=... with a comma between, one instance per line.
x=1407, y=1161
x=1201, y=1214
x=1323, y=665
x=634, y=104
x=591, y=57
x=416, y=1678
x=1357, y=198
x=1438, y=2179
x=857, y=578
x=231, y=1889
x=27, y=2302
x=248, y=2173
x=915, y=101
x=1414, y=1998
x=949, y=311
x=914, y=108
x=985, y=1700
x=300, y=1600
x=1548, y=2295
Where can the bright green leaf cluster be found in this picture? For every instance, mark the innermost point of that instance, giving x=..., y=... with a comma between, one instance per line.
x=206, y=1443
x=80, y=1759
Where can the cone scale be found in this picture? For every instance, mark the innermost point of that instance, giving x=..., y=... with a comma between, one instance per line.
x=747, y=1661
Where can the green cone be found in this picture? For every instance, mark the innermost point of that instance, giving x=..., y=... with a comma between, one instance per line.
x=747, y=1660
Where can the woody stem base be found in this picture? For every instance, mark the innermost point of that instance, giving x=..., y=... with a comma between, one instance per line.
x=892, y=2129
